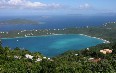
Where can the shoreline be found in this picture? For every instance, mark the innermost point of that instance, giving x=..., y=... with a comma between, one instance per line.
x=104, y=41
x=30, y=36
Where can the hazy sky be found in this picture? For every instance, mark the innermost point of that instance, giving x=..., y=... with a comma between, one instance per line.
x=58, y=7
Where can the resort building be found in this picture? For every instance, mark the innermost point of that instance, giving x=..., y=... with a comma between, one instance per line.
x=106, y=51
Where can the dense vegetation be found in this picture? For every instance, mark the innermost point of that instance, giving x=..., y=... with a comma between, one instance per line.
x=69, y=62
x=87, y=60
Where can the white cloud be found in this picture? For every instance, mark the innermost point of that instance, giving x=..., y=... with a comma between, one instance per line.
x=85, y=6
x=34, y=5
x=22, y=4
x=55, y=5
x=15, y=2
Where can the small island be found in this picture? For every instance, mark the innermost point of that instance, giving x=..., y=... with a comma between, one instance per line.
x=18, y=21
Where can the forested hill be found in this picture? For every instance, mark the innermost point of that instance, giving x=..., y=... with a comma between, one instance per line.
x=89, y=60
x=18, y=21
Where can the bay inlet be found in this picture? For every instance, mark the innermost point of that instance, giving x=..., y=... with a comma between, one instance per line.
x=52, y=45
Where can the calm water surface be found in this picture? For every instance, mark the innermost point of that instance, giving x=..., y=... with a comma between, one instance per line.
x=52, y=45
x=57, y=22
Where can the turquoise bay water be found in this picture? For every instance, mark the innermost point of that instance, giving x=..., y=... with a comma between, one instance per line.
x=52, y=45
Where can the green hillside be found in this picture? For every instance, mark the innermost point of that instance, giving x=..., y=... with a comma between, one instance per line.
x=87, y=60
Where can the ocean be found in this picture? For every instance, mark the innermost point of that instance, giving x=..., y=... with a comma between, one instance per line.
x=57, y=22
x=52, y=45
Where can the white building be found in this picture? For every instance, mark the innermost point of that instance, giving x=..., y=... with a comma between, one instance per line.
x=28, y=56
x=38, y=60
